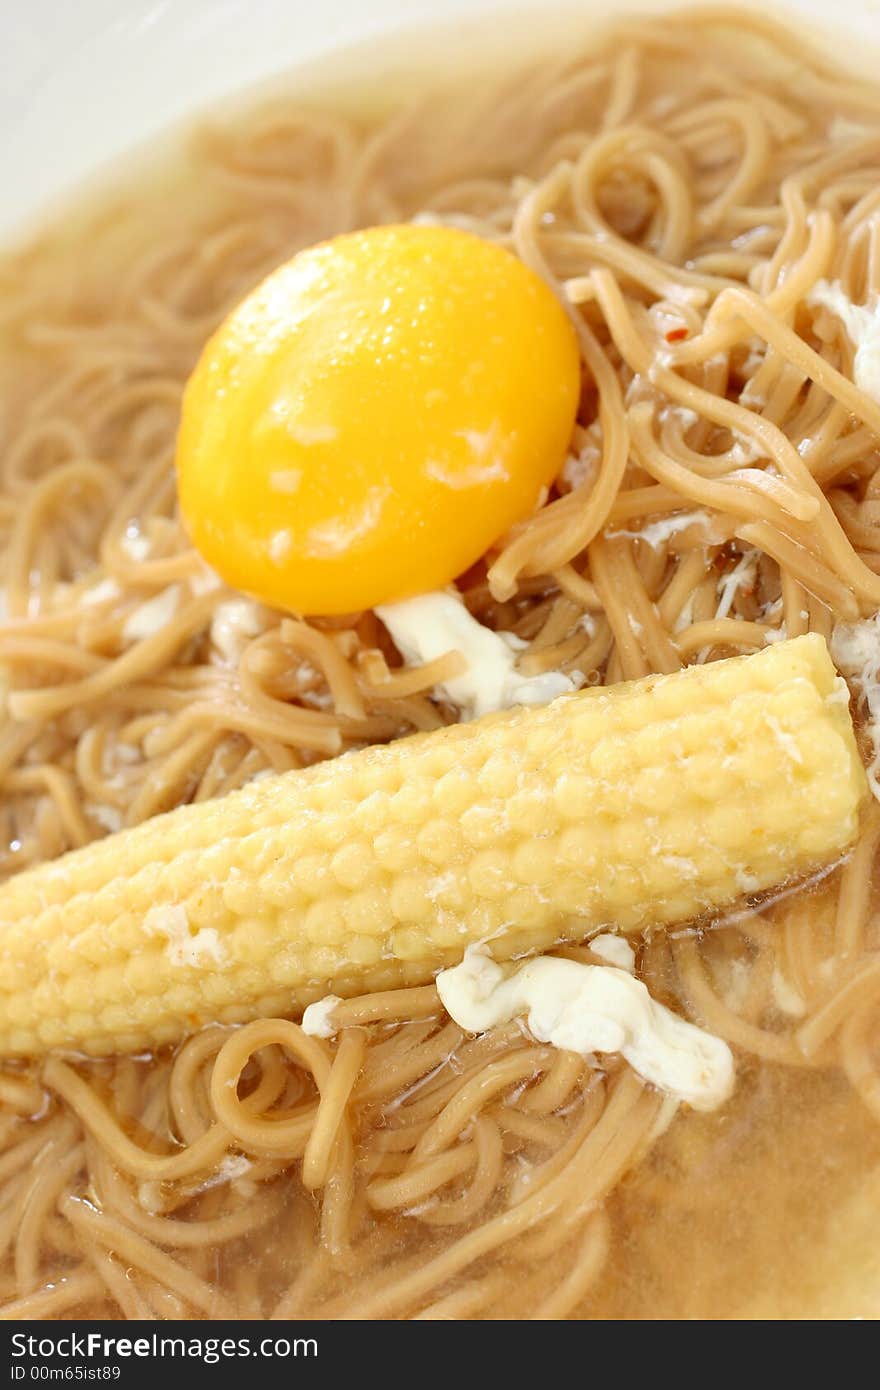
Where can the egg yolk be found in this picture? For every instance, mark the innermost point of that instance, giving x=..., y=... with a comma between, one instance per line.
x=373, y=417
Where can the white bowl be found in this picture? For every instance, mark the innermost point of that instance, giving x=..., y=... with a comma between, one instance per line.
x=86, y=81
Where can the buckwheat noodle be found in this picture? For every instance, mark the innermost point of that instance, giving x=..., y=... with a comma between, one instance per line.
x=683, y=186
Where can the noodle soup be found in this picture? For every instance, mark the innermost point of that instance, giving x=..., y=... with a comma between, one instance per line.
x=702, y=197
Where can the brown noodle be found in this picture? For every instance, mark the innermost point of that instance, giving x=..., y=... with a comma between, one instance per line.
x=682, y=187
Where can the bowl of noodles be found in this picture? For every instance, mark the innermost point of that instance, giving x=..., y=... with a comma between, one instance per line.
x=439, y=651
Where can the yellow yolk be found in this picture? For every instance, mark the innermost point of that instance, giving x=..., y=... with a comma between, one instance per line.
x=373, y=417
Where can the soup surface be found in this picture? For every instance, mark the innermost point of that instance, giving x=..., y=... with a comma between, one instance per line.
x=704, y=197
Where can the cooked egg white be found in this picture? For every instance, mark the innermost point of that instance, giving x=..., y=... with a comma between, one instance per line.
x=589, y=1009
x=317, y=1020
x=855, y=648
x=614, y=949
x=862, y=326
x=433, y=624
x=153, y=615
x=584, y=1009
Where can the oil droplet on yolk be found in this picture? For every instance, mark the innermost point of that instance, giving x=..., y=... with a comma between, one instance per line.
x=373, y=417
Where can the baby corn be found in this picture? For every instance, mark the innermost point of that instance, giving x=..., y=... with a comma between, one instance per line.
x=638, y=805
